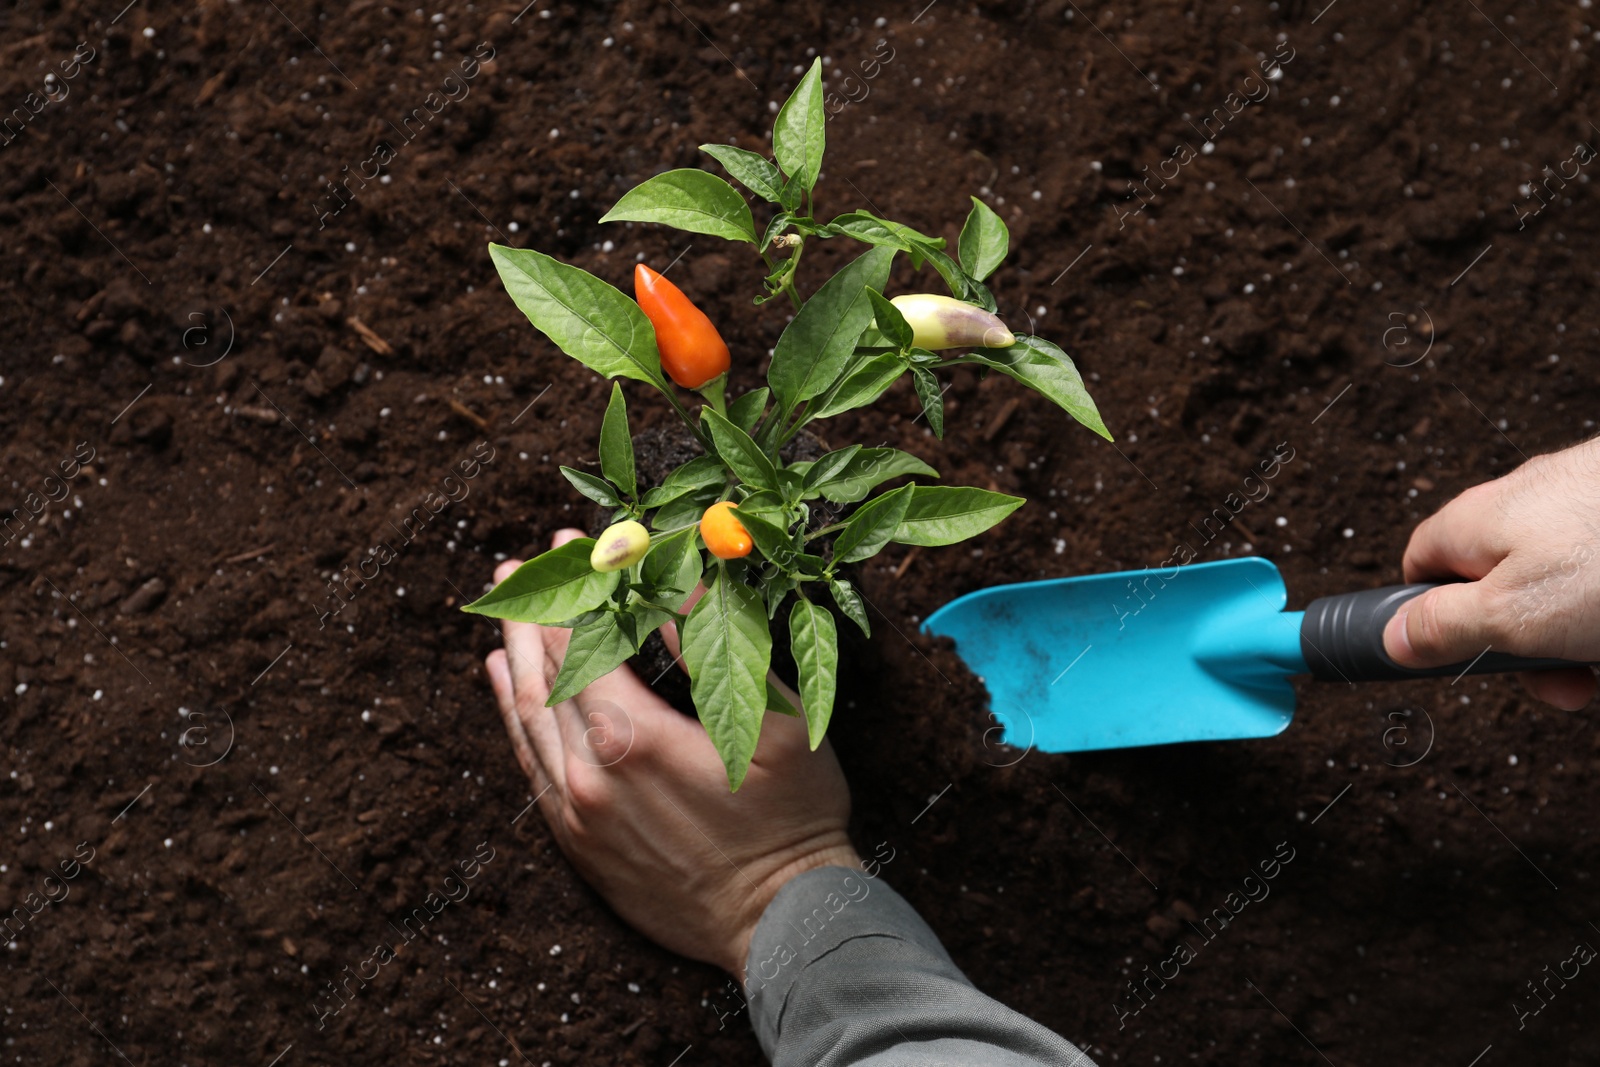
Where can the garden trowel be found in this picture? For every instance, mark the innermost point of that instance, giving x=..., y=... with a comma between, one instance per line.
x=1201, y=652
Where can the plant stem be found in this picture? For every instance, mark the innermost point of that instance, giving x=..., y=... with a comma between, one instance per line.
x=716, y=391
x=826, y=530
x=683, y=413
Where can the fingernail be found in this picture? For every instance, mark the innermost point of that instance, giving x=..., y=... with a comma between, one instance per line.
x=1396, y=642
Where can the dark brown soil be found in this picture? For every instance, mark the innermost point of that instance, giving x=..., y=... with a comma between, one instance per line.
x=173, y=207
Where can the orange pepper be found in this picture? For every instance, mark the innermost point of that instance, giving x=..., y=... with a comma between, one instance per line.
x=692, y=351
x=724, y=534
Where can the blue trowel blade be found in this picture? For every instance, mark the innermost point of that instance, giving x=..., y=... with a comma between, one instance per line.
x=1194, y=653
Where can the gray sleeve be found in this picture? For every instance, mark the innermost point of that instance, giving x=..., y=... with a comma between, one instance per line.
x=844, y=973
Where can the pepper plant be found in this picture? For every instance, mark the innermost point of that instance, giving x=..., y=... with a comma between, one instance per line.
x=738, y=520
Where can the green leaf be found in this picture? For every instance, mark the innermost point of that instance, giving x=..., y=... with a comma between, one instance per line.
x=685, y=510
x=764, y=504
x=772, y=540
x=889, y=322
x=945, y=514
x=962, y=285
x=984, y=241
x=598, y=646
x=791, y=483
x=728, y=649
x=870, y=469
x=1046, y=369
x=616, y=445
x=551, y=588
x=818, y=342
x=873, y=525
x=748, y=409
x=865, y=226
x=850, y=602
x=800, y=133
x=672, y=566
x=780, y=222
x=776, y=589
x=793, y=191
x=864, y=383
x=588, y=319
x=742, y=455
x=699, y=473
x=748, y=169
x=779, y=703
x=824, y=469
x=599, y=490
x=688, y=199
x=814, y=639
x=932, y=399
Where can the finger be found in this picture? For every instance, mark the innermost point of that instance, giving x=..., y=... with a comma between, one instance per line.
x=505, y=697
x=1460, y=541
x=1568, y=689
x=1449, y=624
x=524, y=654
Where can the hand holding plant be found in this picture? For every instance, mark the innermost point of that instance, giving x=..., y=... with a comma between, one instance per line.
x=741, y=502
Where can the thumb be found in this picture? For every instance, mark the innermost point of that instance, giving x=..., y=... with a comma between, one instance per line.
x=1449, y=624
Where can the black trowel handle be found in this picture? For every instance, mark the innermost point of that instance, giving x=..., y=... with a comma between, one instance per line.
x=1341, y=638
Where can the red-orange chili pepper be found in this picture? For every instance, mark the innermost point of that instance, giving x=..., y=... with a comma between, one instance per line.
x=723, y=534
x=692, y=351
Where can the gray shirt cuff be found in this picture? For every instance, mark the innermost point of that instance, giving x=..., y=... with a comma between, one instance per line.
x=843, y=972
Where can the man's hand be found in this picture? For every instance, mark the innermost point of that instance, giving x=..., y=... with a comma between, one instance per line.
x=637, y=798
x=1530, y=544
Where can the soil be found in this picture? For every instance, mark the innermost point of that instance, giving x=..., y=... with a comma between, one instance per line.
x=251, y=383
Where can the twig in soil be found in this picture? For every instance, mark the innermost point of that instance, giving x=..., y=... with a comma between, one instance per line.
x=467, y=413
x=262, y=415
x=245, y=557
x=905, y=564
x=373, y=341
x=1000, y=419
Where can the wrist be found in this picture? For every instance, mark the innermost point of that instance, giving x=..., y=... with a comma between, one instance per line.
x=835, y=850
